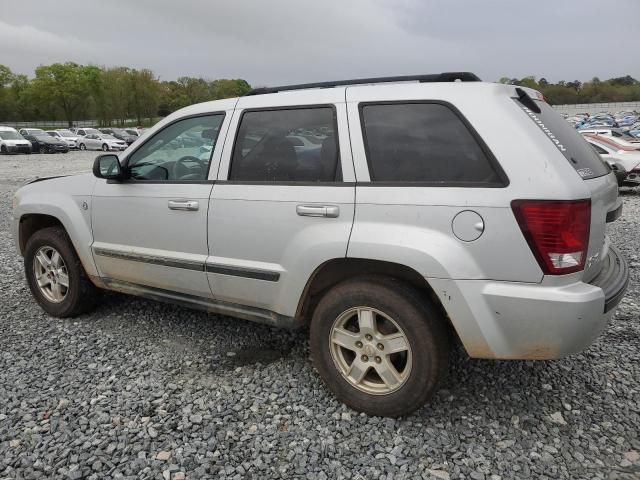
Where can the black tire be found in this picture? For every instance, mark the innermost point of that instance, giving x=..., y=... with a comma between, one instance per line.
x=422, y=324
x=105, y=147
x=42, y=149
x=81, y=296
x=82, y=146
x=4, y=150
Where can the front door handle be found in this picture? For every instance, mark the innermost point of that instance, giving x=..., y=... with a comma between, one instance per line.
x=331, y=211
x=189, y=205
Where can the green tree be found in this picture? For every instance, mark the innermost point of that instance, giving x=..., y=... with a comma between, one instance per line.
x=65, y=85
x=225, y=88
x=145, y=94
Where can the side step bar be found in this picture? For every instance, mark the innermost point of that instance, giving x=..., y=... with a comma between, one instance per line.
x=252, y=314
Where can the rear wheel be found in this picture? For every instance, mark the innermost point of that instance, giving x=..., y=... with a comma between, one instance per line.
x=105, y=147
x=55, y=275
x=379, y=345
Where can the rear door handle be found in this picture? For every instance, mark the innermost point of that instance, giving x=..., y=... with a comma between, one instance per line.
x=189, y=205
x=331, y=211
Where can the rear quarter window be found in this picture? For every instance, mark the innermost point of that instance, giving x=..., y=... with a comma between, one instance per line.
x=567, y=140
x=425, y=143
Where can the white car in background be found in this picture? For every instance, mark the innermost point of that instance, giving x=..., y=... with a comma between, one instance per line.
x=616, y=133
x=66, y=136
x=83, y=132
x=100, y=141
x=625, y=161
x=12, y=142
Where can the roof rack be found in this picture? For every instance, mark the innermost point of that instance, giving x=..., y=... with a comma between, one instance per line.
x=436, y=77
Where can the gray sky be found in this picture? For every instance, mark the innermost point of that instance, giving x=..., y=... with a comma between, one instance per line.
x=287, y=41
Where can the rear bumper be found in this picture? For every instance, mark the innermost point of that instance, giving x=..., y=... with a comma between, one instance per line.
x=506, y=320
x=613, y=279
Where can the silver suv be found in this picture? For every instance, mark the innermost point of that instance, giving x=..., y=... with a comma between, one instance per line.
x=389, y=216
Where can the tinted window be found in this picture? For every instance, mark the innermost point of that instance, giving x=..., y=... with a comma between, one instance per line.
x=423, y=142
x=570, y=143
x=296, y=145
x=179, y=152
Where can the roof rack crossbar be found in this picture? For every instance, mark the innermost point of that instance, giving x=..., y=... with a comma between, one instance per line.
x=436, y=77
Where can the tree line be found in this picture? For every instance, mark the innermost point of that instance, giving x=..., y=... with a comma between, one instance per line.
x=70, y=92
x=619, y=89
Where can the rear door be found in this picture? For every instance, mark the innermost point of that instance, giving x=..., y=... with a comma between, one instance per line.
x=283, y=203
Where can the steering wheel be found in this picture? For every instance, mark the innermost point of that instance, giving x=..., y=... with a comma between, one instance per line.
x=182, y=170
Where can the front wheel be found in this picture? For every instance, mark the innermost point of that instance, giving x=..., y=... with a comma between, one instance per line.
x=379, y=345
x=105, y=147
x=3, y=150
x=55, y=275
x=82, y=146
x=42, y=149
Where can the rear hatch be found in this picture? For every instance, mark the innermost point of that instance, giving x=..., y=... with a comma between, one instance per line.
x=588, y=165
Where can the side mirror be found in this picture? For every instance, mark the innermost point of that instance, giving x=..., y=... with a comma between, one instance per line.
x=107, y=166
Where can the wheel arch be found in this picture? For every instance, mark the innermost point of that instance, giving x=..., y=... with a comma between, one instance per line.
x=30, y=223
x=338, y=270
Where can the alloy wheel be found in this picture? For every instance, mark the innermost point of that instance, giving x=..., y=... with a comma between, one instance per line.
x=370, y=350
x=51, y=274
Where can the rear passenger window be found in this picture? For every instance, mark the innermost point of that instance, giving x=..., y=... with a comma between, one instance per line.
x=426, y=143
x=292, y=145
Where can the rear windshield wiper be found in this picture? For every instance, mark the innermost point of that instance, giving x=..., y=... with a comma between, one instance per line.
x=527, y=101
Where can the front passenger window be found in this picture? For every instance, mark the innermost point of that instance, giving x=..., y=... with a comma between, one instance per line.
x=179, y=152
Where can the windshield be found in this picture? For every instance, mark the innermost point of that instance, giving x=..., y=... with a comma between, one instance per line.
x=9, y=135
x=92, y=131
x=35, y=131
x=108, y=137
x=66, y=133
x=43, y=137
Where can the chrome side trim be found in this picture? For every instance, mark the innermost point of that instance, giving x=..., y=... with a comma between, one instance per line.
x=256, y=274
x=153, y=259
x=252, y=314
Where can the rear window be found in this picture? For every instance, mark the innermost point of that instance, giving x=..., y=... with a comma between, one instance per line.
x=570, y=143
x=424, y=143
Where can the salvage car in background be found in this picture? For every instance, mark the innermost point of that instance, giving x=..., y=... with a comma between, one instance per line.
x=611, y=132
x=12, y=142
x=623, y=161
x=42, y=142
x=83, y=132
x=100, y=141
x=66, y=136
x=120, y=134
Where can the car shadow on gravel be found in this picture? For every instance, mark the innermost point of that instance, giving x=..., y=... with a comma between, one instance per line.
x=211, y=347
x=187, y=332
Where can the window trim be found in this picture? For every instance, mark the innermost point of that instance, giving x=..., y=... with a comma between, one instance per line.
x=138, y=147
x=493, y=162
x=332, y=106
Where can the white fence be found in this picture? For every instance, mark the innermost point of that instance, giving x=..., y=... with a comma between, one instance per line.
x=598, y=107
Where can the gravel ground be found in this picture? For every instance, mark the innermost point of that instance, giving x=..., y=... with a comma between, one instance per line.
x=139, y=389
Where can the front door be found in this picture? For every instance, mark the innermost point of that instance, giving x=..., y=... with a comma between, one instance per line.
x=151, y=230
x=283, y=203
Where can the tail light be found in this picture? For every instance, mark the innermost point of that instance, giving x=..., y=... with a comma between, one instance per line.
x=557, y=232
